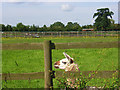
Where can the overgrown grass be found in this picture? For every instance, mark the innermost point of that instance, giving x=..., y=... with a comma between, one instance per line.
x=27, y=61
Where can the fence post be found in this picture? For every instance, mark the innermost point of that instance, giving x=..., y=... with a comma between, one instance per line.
x=48, y=64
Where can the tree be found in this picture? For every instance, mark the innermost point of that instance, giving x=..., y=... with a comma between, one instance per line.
x=69, y=26
x=57, y=26
x=33, y=28
x=8, y=28
x=20, y=27
x=2, y=26
x=44, y=28
x=27, y=28
x=102, y=22
x=87, y=26
x=14, y=28
x=72, y=26
x=76, y=27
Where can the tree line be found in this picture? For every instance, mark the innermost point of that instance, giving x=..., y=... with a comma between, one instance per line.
x=57, y=26
x=103, y=21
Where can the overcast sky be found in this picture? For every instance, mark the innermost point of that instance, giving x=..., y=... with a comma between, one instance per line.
x=46, y=13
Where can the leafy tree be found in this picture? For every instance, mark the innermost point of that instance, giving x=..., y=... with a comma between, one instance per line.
x=37, y=28
x=14, y=28
x=20, y=27
x=8, y=28
x=69, y=26
x=102, y=22
x=44, y=28
x=73, y=26
x=112, y=21
x=27, y=28
x=112, y=25
x=2, y=26
x=76, y=27
x=57, y=26
x=33, y=28
x=87, y=26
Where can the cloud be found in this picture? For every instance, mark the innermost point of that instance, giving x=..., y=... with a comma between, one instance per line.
x=66, y=7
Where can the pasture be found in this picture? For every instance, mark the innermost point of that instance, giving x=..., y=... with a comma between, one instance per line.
x=27, y=61
x=59, y=39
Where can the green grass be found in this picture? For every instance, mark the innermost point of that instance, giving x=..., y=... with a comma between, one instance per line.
x=59, y=39
x=39, y=83
x=33, y=60
x=27, y=61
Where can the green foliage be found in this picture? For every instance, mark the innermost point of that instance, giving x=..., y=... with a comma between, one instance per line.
x=8, y=28
x=87, y=26
x=72, y=27
x=57, y=26
x=2, y=26
x=44, y=28
x=102, y=22
x=20, y=27
x=85, y=82
x=116, y=79
x=34, y=28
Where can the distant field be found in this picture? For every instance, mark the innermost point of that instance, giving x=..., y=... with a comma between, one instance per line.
x=60, y=39
x=26, y=61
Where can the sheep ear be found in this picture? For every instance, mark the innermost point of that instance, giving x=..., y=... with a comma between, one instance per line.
x=68, y=57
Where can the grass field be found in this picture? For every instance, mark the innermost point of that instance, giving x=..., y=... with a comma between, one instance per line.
x=59, y=39
x=26, y=61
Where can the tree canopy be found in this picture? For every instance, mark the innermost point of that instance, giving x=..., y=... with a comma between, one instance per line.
x=59, y=26
x=102, y=22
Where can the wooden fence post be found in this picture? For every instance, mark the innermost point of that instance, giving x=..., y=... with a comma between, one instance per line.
x=48, y=64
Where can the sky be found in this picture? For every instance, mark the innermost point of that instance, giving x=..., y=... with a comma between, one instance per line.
x=46, y=13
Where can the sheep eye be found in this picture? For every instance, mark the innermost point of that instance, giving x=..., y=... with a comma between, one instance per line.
x=64, y=62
